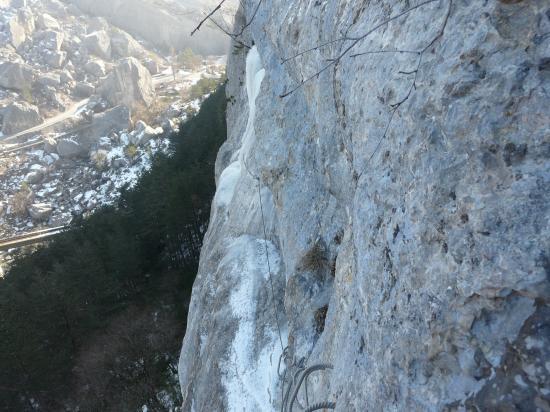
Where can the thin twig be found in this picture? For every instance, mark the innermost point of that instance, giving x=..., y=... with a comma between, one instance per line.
x=219, y=6
x=235, y=35
x=395, y=106
x=219, y=26
x=384, y=51
x=355, y=41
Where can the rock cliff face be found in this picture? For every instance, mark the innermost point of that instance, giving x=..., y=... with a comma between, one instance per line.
x=399, y=201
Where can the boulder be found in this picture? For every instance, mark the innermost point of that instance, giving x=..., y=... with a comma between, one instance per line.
x=70, y=148
x=46, y=22
x=168, y=126
x=20, y=116
x=83, y=89
x=144, y=133
x=103, y=124
x=98, y=43
x=54, y=99
x=55, y=59
x=124, y=45
x=16, y=32
x=50, y=144
x=26, y=19
x=35, y=176
x=16, y=76
x=40, y=212
x=130, y=83
x=50, y=39
x=95, y=68
x=72, y=44
x=49, y=79
x=66, y=77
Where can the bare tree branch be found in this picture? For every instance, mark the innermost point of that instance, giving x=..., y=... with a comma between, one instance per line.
x=236, y=40
x=235, y=35
x=355, y=41
x=218, y=7
x=395, y=106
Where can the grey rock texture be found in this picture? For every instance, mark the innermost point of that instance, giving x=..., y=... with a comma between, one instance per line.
x=40, y=212
x=98, y=43
x=16, y=32
x=103, y=124
x=71, y=148
x=20, y=116
x=95, y=68
x=26, y=19
x=55, y=59
x=16, y=76
x=408, y=248
x=124, y=45
x=130, y=83
x=52, y=39
x=84, y=89
x=46, y=22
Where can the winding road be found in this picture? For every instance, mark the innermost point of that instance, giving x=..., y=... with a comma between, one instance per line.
x=30, y=238
x=72, y=111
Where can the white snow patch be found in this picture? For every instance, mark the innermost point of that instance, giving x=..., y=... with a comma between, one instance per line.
x=254, y=76
x=227, y=183
x=250, y=379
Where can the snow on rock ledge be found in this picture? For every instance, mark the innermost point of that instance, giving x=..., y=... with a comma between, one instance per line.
x=246, y=374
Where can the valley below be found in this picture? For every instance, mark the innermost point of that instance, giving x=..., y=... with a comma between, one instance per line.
x=84, y=108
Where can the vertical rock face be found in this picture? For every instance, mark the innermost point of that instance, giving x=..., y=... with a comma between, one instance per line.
x=399, y=201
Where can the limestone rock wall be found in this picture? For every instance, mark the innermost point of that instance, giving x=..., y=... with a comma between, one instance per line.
x=408, y=248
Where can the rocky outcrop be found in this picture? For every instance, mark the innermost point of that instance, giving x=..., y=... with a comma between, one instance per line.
x=103, y=124
x=26, y=19
x=95, y=68
x=98, y=43
x=389, y=217
x=55, y=59
x=16, y=32
x=70, y=148
x=16, y=76
x=46, y=22
x=49, y=79
x=20, y=116
x=129, y=83
x=143, y=133
x=40, y=212
x=124, y=45
x=83, y=89
x=51, y=39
